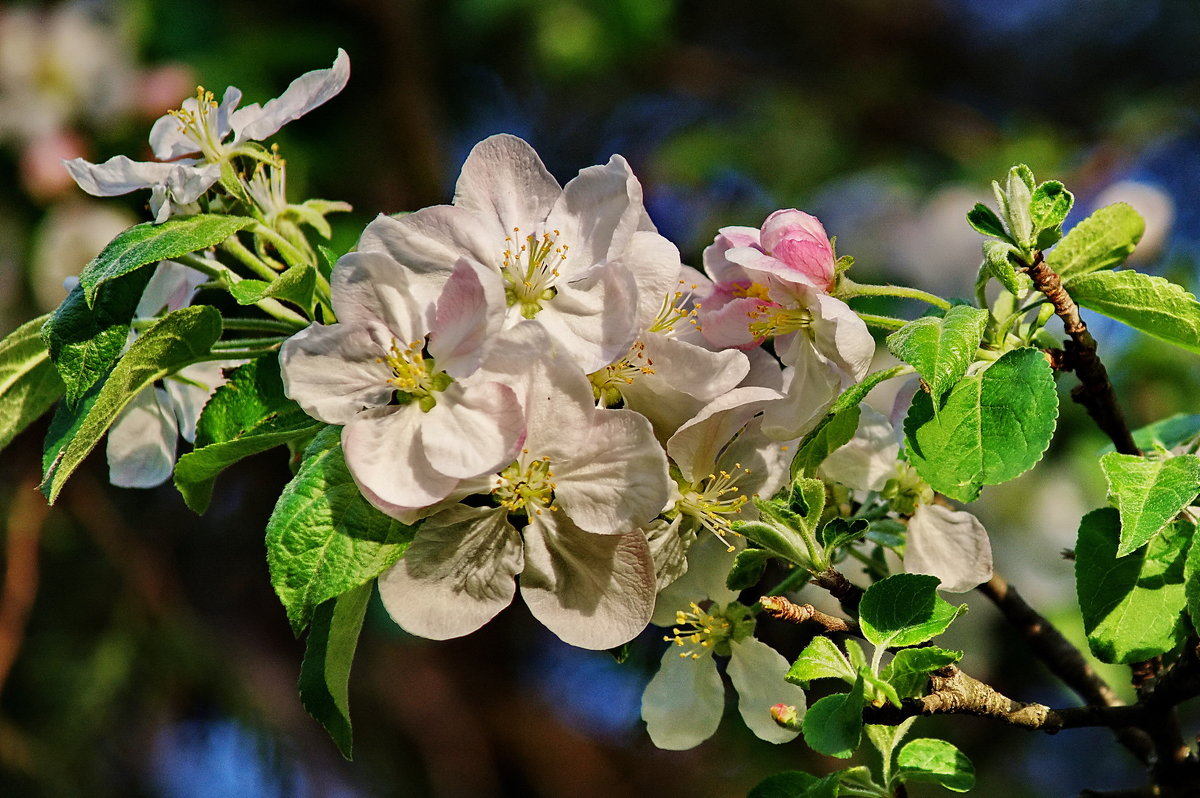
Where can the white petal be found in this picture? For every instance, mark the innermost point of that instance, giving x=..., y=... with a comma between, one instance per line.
x=118, y=175
x=473, y=430
x=598, y=213
x=697, y=444
x=468, y=316
x=457, y=574
x=304, y=94
x=504, y=179
x=383, y=457
x=654, y=263
x=593, y=591
x=170, y=287
x=951, y=545
x=372, y=287
x=141, y=443
x=668, y=548
x=869, y=459
x=430, y=241
x=757, y=672
x=593, y=317
x=842, y=336
x=188, y=398
x=334, y=372
x=812, y=387
x=683, y=703
x=708, y=562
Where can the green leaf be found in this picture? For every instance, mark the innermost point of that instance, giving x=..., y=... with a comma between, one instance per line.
x=833, y=725
x=940, y=349
x=1019, y=189
x=1146, y=303
x=905, y=609
x=840, y=531
x=1191, y=582
x=985, y=221
x=1132, y=606
x=324, y=538
x=996, y=259
x=1101, y=241
x=832, y=433
x=176, y=340
x=148, y=243
x=992, y=427
x=937, y=761
x=877, y=690
x=85, y=342
x=29, y=384
x=1148, y=493
x=821, y=659
x=909, y=670
x=1167, y=433
x=328, y=655
x=747, y=569
x=785, y=522
x=886, y=738
x=295, y=285
x=247, y=415
x=795, y=784
x=1049, y=205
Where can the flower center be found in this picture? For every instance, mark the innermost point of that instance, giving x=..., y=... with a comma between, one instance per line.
x=608, y=381
x=530, y=268
x=675, y=310
x=714, y=500
x=268, y=185
x=527, y=487
x=200, y=124
x=700, y=632
x=769, y=321
x=756, y=290
x=415, y=376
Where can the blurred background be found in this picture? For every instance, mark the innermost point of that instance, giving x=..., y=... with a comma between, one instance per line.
x=142, y=651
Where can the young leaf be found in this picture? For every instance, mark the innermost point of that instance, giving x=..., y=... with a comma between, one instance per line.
x=1050, y=204
x=985, y=221
x=294, y=285
x=839, y=532
x=176, y=340
x=85, y=342
x=821, y=659
x=1167, y=433
x=833, y=725
x=323, y=537
x=148, y=243
x=1101, y=241
x=1020, y=193
x=29, y=385
x=831, y=434
x=937, y=761
x=795, y=784
x=1132, y=606
x=747, y=569
x=995, y=258
x=905, y=609
x=1191, y=582
x=940, y=349
x=992, y=427
x=909, y=670
x=247, y=415
x=1146, y=303
x=877, y=690
x=328, y=655
x=1148, y=493
x=886, y=738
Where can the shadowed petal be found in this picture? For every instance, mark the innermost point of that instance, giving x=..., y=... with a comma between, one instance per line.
x=950, y=545
x=473, y=431
x=303, y=94
x=683, y=703
x=334, y=372
x=141, y=444
x=383, y=455
x=757, y=672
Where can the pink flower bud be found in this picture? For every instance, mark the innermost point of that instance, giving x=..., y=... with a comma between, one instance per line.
x=799, y=241
x=786, y=716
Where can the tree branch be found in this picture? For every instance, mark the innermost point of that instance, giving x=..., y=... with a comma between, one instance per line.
x=783, y=609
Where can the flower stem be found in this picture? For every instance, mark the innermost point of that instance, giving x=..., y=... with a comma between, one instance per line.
x=883, y=322
x=237, y=249
x=848, y=289
x=220, y=271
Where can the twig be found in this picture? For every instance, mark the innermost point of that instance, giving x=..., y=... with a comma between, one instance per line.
x=779, y=607
x=1095, y=391
x=846, y=592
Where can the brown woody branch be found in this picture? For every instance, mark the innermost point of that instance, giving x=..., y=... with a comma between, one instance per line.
x=784, y=610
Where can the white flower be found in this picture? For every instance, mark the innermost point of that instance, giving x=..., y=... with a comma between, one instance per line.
x=574, y=258
x=868, y=460
x=398, y=371
x=202, y=127
x=564, y=517
x=951, y=545
x=682, y=705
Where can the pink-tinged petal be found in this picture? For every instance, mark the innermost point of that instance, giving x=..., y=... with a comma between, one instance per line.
x=611, y=473
x=430, y=241
x=555, y=393
x=654, y=263
x=305, y=93
x=698, y=443
x=757, y=672
x=868, y=460
x=466, y=318
x=371, y=288
x=811, y=390
x=725, y=321
x=503, y=178
x=717, y=265
x=141, y=443
x=456, y=575
x=118, y=175
x=335, y=372
x=683, y=703
x=473, y=430
x=383, y=455
x=842, y=337
x=598, y=213
x=791, y=225
x=592, y=317
x=593, y=591
x=951, y=545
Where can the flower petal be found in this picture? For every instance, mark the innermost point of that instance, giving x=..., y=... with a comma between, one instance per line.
x=683, y=703
x=334, y=372
x=118, y=175
x=430, y=241
x=468, y=316
x=842, y=336
x=141, y=444
x=708, y=562
x=757, y=672
x=597, y=214
x=503, y=178
x=951, y=545
x=593, y=316
x=303, y=94
x=372, y=287
x=387, y=464
x=456, y=575
x=473, y=430
x=697, y=444
x=593, y=591
x=869, y=459
x=192, y=391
